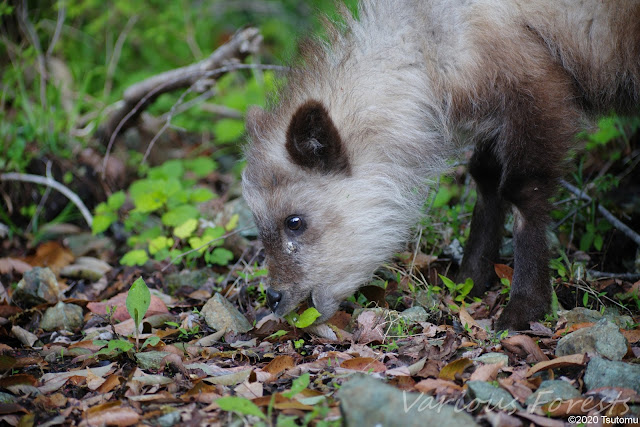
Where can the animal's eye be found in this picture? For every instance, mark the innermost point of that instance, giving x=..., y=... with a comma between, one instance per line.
x=294, y=223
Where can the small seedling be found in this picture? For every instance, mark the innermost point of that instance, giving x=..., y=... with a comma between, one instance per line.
x=138, y=300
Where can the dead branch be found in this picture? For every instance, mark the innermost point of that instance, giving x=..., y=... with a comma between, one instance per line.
x=606, y=275
x=50, y=182
x=605, y=213
x=140, y=95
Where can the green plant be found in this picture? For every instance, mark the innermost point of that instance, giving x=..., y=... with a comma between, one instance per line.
x=303, y=320
x=566, y=269
x=240, y=405
x=138, y=301
x=184, y=332
x=458, y=291
x=165, y=215
x=298, y=384
x=113, y=347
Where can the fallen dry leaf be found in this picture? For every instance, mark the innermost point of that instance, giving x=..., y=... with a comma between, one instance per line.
x=437, y=386
x=486, y=373
x=279, y=364
x=370, y=328
x=560, y=362
x=476, y=329
x=111, y=413
x=121, y=313
x=564, y=331
x=503, y=271
x=111, y=382
x=455, y=369
x=51, y=254
x=365, y=364
x=10, y=265
x=632, y=335
x=524, y=346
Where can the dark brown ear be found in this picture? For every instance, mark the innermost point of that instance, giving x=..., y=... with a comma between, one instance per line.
x=313, y=141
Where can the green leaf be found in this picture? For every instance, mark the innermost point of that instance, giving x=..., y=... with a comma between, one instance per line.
x=233, y=222
x=298, y=385
x=134, y=257
x=585, y=299
x=169, y=169
x=200, y=166
x=102, y=222
x=586, y=241
x=149, y=202
x=116, y=200
x=151, y=341
x=220, y=256
x=115, y=347
x=138, y=300
x=186, y=229
x=240, y=405
x=307, y=318
x=598, y=242
x=211, y=235
x=160, y=243
x=450, y=284
x=148, y=195
x=277, y=334
x=228, y=130
x=179, y=215
x=200, y=195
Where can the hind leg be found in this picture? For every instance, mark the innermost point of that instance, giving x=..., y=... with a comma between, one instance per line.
x=531, y=288
x=483, y=245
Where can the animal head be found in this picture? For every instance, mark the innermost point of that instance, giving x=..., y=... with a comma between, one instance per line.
x=327, y=220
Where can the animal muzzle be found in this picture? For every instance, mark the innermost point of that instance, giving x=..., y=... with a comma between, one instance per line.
x=273, y=299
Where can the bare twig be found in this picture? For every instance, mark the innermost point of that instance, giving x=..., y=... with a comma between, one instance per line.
x=62, y=11
x=222, y=111
x=30, y=32
x=167, y=123
x=50, y=182
x=138, y=96
x=184, y=106
x=605, y=213
x=605, y=275
x=161, y=89
x=43, y=200
x=115, y=56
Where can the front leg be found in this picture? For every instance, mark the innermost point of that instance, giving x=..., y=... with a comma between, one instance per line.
x=483, y=245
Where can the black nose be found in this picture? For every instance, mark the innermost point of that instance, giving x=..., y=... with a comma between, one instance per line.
x=273, y=298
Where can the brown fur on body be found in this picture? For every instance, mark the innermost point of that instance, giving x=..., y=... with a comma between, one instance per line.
x=338, y=169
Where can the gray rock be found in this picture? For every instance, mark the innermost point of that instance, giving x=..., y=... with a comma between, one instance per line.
x=221, y=315
x=603, y=338
x=584, y=315
x=551, y=390
x=62, y=316
x=170, y=419
x=494, y=397
x=194, y=279
x=606, y=373
x=151, y=359
x=365, y=401
x=7, y=398
x=38, y=286
x=427, y=299
x=414, y=314
x=490, y=358
x=83, y=243
x=88, y=268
